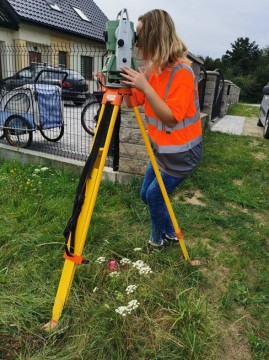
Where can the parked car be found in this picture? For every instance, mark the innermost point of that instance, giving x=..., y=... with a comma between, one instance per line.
x=263, y=119
x=74, y=88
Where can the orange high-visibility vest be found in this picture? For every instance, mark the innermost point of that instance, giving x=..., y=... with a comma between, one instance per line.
x=184, y=103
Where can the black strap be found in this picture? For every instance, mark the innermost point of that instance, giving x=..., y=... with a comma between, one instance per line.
x=99, y=142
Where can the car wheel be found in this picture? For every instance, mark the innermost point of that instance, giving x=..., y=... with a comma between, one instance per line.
x=266, y=127
x=259, y=123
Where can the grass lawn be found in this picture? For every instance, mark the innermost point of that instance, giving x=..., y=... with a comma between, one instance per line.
x=242, y=109
x=216, y=311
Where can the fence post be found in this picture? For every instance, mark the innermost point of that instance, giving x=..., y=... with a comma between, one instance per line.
x=209, y=93
x=226, y=98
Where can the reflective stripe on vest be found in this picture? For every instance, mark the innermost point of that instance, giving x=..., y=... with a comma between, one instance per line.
x=171, y=149
x=160, y=126
x=155, y=126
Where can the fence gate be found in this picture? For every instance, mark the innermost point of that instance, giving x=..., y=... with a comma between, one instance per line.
x=217, y=95
x=201, y=86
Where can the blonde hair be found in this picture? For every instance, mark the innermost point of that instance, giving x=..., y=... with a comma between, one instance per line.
x=158, y=42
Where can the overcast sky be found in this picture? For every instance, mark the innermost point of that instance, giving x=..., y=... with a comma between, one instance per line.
x=208, y=27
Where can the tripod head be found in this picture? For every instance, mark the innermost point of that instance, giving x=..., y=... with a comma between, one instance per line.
x=120, y=38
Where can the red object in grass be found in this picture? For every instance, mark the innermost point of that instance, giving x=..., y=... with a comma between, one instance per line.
x=113, y=265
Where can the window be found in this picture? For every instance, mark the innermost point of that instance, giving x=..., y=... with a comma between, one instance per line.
x=87, y=67
x=62, y=58
x=34, y=57
x=81, y=14
x=53, y=5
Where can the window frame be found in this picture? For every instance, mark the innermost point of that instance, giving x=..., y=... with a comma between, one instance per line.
x=63, y=54
x=86, y=70
x=54, y=5
x=81, y=14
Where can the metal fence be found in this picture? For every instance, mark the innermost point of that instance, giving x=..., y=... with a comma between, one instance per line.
x=22, y=97
x=30, y=114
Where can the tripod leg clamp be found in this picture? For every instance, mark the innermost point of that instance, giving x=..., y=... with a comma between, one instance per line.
x=79, y=260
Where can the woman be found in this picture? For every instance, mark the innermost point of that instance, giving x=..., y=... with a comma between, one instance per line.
x=169, y=94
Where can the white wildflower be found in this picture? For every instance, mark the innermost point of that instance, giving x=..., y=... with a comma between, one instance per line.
x=100, y=260
x=142, y=267
x=122, y=310
x=126, y=310
x=132, y=305
x=137, y=249
x=125, y=261
x=44, y=168
x=114, y=274
x=130, y=289
x=95, y=289
x=37, y=170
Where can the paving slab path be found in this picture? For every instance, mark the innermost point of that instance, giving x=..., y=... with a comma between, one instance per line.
x=237, y=125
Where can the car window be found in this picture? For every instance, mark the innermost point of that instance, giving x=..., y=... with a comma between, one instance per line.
x=26, y=73
x=73, y=74
x=37, y=69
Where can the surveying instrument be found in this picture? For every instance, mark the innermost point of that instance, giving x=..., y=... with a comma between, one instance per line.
x=120, y=38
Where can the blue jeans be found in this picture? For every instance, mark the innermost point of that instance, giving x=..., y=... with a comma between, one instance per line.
x=152, y=196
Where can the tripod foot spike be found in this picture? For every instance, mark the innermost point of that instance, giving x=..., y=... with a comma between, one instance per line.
x=50, y=325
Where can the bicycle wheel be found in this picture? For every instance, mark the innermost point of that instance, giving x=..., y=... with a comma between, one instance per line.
x=17, y=131
x=89, y=116
x=54, y=134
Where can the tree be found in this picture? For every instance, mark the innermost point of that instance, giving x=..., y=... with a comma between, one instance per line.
x=211, y=64
x=243, y=57
x=262, y=71
x=250, y=90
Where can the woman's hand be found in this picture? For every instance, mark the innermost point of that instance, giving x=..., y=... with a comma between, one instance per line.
x=134, y=78
x=139, y=81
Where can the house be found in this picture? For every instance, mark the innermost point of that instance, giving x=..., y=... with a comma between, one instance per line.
x=65, y=32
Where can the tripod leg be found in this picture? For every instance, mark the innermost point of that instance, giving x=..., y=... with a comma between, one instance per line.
x=161, y=184
x=83, y=223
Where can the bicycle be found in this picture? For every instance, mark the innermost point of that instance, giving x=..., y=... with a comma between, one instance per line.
x=90, y=113
x=91, y=110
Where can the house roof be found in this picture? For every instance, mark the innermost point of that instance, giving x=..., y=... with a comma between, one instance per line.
x=8, y=18
x=67, y=20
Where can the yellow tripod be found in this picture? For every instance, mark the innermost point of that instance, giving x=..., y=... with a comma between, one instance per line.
x=111, y=103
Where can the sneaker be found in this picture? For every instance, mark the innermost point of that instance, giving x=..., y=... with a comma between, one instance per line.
x=170, y=240
x=153, y=246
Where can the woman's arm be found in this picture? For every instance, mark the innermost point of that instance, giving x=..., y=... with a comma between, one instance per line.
x=139, y=81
